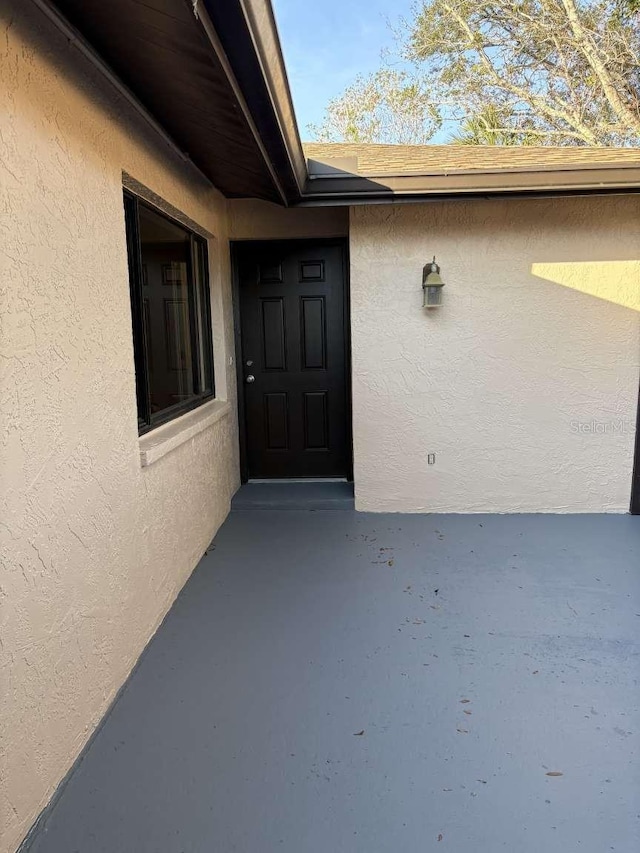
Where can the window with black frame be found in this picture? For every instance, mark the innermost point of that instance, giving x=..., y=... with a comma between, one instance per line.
x=171, y=314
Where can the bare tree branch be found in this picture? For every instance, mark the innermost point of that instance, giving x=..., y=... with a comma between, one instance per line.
x=555, y=72
x=551, y=108
x=586, y=44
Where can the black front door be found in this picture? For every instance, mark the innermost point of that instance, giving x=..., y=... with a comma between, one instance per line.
x=294, y=358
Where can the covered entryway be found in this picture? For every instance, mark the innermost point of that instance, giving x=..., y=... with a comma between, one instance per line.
x=293, y=358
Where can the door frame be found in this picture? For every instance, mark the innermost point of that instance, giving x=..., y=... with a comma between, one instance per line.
x=301, y=242
x=635, y=481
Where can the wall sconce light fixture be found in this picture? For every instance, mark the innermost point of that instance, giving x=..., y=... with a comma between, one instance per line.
x=432, y=285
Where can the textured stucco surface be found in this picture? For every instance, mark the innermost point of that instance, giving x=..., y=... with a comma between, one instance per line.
x=615, y=281
x=94, y=547
x=525, y=390
x=252, y=219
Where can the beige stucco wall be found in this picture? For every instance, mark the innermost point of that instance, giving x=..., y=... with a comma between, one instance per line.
x=252, y=219
x=94, y=547
x=523, y=386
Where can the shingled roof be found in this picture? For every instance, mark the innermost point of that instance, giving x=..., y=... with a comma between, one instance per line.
x=354, y=173
x=377, y=160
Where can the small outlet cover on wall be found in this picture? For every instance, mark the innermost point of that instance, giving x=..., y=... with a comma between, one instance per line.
x=431, y=458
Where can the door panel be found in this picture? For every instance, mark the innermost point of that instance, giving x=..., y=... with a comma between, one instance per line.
x=273, y=343
x=314, y=333
x=315, y=420
x=276, y=412
x=294, y=365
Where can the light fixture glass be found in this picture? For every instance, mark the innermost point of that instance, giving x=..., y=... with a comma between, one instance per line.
x=432, y=285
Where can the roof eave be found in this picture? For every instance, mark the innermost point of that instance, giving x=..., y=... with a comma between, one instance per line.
x=345, y=189
x=249, y=36
x=244, y=38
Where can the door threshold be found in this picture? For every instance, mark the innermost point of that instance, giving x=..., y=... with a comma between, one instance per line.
x=299, y=480
x=292, y=494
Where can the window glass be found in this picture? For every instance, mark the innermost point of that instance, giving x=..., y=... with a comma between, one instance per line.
x=171, y=314
x=164, y=249
x=202, y=296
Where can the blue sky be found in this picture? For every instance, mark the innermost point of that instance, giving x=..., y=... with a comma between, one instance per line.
x=327, y=44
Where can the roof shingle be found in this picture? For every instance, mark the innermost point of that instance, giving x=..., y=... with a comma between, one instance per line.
x=378, y=160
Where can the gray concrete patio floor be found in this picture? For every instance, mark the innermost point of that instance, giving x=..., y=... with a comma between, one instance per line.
x=335, y=682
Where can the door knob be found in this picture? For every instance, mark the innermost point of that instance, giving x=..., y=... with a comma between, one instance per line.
x=250, y=378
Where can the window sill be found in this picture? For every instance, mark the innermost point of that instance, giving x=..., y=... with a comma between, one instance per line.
x=157, y=443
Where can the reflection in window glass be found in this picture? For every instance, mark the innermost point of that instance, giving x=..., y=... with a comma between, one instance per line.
x=165, y=249
x=203, y=311
x=171, y=314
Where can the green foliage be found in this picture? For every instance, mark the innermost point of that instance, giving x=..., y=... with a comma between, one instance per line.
x=487, y=128
x=628, y=8
x=503, y=72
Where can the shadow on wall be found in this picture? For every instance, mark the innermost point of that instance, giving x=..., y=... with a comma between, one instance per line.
x=614, y=281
